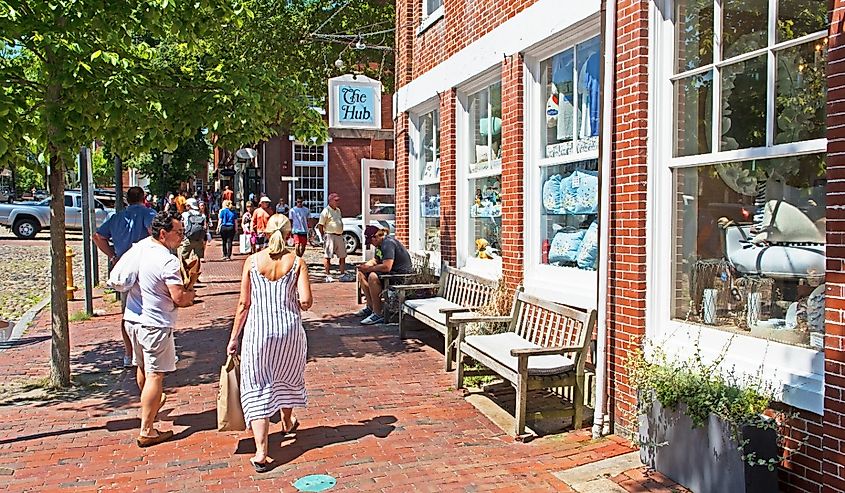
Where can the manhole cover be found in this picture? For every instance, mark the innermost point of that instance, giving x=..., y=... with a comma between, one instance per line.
x=315, y=482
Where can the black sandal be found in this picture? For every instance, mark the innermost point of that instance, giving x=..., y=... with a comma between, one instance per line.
x=262, y=466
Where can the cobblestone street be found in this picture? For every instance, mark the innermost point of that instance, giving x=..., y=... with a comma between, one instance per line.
x=382, y=414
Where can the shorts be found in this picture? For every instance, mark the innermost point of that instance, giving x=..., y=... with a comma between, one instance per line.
x=334, y=246
x=300, y=239
x=153, y=348
x=260, y=240
x=188, y=246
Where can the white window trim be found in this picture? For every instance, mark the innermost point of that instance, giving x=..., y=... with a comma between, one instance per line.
x=415, y=161
x=324, y=164
x=485, y=268
x=570, y=285
x=430, y=18
x=797, y=372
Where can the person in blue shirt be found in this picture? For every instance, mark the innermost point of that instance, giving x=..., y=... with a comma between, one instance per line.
x=226, y=227
x=117, y=235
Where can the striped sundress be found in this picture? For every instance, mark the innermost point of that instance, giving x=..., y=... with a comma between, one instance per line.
x=274, y=346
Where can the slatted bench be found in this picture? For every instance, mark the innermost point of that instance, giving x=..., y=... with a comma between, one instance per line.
x=457, y=291
x=420, y=267
x=545, y=347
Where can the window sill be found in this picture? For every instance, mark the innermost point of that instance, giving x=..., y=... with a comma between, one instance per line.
x=431, y=20
x=565, y=285
x=488, y=268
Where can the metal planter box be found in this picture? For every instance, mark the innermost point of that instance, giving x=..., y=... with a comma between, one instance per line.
x=705, y=459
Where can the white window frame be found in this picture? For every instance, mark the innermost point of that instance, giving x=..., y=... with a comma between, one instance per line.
x=429, y=18
x=797, y=372
x=577, y=287
x=415, y=161
x=297, y=188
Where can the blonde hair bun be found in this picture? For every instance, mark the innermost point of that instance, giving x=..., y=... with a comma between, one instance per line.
x=277, y=230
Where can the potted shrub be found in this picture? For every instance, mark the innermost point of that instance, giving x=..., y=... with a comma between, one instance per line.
x=703, y=427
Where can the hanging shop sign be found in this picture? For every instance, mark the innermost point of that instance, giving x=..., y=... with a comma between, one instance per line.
x=354, y=102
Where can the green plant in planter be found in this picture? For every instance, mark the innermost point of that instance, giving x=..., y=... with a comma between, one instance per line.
x=705, y=389
x=500, y=304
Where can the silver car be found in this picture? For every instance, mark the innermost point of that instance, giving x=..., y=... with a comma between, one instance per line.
x=27, y=219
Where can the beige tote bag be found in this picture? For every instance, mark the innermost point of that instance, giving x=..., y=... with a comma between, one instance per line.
x=230, y=415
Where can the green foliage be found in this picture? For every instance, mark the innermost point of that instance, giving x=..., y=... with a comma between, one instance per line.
x=102, y=169
x=189, y=159
x=705, y=389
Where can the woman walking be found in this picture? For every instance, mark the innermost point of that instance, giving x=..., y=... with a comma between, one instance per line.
x=226, y=227
x=206, y=226
x=246, y=226
x=274, y=290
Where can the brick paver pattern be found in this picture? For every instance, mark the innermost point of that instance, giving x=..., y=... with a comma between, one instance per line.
x=382, y=416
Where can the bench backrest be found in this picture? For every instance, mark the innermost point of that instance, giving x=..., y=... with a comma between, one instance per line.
x=465, y=289
x=550, y=324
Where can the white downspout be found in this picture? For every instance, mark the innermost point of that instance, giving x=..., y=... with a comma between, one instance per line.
x=601, y=419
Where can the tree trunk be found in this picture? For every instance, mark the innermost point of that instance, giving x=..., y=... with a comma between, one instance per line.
x=60, y=349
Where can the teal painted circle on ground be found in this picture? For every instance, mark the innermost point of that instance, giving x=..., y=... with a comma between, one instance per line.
x=315, y=482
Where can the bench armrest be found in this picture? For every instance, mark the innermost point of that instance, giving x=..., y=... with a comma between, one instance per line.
x=543, y=351
x=457, y=309
x=415, y=287
x=398, y=275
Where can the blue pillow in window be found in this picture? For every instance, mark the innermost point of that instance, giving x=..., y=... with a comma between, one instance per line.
x=581, y=193
x=589, y=251
x=552, y=196
x=565, y=246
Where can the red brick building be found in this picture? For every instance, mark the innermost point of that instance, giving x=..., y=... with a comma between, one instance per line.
x=682, y=179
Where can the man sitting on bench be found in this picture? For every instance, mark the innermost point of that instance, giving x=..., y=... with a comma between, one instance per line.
x=391, y=258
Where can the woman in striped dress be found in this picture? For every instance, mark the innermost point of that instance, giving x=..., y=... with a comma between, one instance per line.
x=274, y=289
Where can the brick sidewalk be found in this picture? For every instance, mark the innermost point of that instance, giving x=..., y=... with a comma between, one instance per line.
x=382, y=414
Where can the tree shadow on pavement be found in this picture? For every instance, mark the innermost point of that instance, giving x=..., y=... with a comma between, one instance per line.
x=305, y=439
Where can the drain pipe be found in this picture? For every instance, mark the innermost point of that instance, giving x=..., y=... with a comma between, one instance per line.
x=601, y=419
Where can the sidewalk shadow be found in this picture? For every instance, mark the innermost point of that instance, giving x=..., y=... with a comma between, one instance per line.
x=305, y=439
x=326, y=339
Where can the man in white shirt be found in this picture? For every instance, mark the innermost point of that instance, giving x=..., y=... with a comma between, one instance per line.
x=330, y=225
x=162, y=291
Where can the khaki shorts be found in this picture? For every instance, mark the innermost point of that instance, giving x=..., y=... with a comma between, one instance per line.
x=334, y=246
x=153, y=348
x=188, y=246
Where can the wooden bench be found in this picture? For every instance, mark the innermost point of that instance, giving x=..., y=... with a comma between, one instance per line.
x=457, y=291
x=545, y=347
x=420, y=266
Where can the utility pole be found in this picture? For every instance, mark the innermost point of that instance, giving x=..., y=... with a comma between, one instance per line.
x=87, y=243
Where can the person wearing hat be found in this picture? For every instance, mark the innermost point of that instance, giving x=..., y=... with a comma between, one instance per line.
x=391, y=257
x=330, y=226
x=259, y=222
x=195, y=224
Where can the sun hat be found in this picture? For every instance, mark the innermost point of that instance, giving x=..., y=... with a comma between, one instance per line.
x=192, y=203
x=264, y=199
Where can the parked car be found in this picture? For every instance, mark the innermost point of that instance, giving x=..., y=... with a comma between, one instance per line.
x=26, y=219
x=353, y=229
x=6, y=195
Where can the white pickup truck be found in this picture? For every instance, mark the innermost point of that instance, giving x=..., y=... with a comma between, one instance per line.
x=26, y=219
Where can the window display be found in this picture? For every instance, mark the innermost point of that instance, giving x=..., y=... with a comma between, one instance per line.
x=485, y=129
x=571, y=83
x=568, y=223
x=752, y=247
x=485, y=217
x=429, y=181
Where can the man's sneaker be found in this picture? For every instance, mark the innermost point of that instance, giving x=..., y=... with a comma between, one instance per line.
x=329, y=279
x=373, y=319
x=364, y=312
x=348, y=277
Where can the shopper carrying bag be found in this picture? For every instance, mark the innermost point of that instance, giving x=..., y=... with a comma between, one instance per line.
x=230, y=415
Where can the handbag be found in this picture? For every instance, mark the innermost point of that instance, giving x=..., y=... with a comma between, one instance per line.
x=244, y=243
x=230, y=414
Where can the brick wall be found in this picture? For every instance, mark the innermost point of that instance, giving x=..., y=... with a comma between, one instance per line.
x=513, y=202
x=402, y=140
x=834, y=398
x=448, y=155
x=627, y=218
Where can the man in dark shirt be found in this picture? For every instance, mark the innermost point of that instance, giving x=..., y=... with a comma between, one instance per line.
x=391, y=258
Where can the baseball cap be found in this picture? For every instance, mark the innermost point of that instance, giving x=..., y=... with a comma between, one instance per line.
x=264, y=199
x=192, y=203
x=369, y=232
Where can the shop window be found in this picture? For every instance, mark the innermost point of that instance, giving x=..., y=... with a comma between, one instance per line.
x=570, y=83
x=748, y=235
x=485, y=172
x=310, y=169
x=429, y=182
x=568, y=223
x=770, y=90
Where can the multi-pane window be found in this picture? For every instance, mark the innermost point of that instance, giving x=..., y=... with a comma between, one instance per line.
x=310, y=169
x=749, y=232
x=485, y=171
x=431, y=6
x=429, y=181
x=568, y=168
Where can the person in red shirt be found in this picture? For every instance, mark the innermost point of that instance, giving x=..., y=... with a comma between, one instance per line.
x=259, y=222
x=228, y=194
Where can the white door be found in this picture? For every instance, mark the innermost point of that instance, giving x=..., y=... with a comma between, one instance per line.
x=378, y=197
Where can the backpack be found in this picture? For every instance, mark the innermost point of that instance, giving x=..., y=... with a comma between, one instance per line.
x=195, y=227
